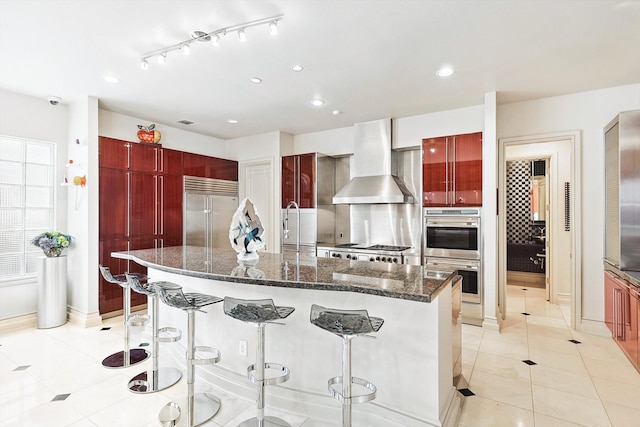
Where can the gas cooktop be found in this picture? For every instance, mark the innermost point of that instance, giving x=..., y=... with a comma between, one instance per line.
x=388, y=248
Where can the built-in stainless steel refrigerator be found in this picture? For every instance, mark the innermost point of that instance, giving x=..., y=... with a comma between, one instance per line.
x=209, y=205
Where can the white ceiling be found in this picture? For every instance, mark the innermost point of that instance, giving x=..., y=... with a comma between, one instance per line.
x=367, y=58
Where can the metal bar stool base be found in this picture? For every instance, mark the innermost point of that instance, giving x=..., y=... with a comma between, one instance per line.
x=266, y=422
x=205, y=406
x=117, y=360
x=152, y=381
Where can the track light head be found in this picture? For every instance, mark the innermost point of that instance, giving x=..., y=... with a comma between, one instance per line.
x=273, y=27
x=185, y=49
x=241, y=35
x=162, y=58
x=144, y=64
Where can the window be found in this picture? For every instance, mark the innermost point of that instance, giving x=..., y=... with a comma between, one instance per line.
x=26, y=203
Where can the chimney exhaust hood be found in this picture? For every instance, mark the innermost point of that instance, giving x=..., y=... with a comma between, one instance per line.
x=374, y=166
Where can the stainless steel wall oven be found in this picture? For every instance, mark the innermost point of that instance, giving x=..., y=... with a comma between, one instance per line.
x=453, y=241
x=452, y=233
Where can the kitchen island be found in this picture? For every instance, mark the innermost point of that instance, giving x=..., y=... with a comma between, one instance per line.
x=412, y=362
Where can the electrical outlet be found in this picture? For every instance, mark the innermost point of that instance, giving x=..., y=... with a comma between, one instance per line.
x=242, y=348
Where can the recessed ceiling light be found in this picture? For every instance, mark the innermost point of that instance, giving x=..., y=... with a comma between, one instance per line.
x=445, y=71
x=297, y=67
x=317, y=102
x=256, y=80
x=232, y=121
x=110, y=79
x=336, y=112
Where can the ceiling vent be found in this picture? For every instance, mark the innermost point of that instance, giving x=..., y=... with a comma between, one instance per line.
x=185, y=122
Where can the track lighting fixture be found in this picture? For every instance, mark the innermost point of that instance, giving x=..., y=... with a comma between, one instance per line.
x=241, y=35
x=213, y=36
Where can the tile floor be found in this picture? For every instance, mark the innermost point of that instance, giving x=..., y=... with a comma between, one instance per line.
x=53, y=377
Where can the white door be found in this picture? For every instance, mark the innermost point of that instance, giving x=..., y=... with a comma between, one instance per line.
x=256, y=184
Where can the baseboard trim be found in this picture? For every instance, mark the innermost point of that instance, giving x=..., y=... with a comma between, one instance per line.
x=594, y=327
x=84, y=320
x=18, y=322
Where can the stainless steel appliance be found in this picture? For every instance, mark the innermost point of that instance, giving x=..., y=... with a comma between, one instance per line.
x=209, y=205
x=622, y=191
x=360, y=252
x=452, y=233
x=469, y=269
x=453, y=242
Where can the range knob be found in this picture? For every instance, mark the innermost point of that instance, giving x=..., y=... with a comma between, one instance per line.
x=383, y=259
x=371, y=259
x=377, y=258
x=348, y=256
x=395, y=260
x=337, y=255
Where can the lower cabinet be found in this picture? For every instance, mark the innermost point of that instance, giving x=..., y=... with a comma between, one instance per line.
x=622, y=313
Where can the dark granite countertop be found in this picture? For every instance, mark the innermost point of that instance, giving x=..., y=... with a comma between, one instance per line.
x=375, y=278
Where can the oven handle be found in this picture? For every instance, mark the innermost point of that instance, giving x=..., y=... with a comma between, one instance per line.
x=442, y=266
x=457, y=223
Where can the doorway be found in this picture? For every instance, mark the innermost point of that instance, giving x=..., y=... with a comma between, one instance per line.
x=561, y=239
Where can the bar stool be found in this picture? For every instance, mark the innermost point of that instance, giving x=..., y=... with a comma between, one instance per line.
x=259, y=313
x=347, y=324
x=127, y=357
x=158, y=378
x=201, y=406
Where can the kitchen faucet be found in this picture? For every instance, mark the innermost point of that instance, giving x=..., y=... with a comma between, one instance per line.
x=286, y=223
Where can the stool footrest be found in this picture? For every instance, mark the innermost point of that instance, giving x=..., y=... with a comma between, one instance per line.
x=269, y=381
x=207, y=356
x=360, y=398
x=169, y=334
x=138, y=320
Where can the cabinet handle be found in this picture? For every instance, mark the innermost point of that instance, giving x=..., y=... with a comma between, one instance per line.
x=453, y=167
x=446, y=171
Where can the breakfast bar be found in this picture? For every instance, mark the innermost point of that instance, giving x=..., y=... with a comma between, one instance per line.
x=412, y=361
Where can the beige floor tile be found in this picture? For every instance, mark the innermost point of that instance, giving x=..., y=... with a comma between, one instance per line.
x=51, y=414
x=560, y=379
x=482, y=412
x=569, y=407
x=554, y=359
x=621, y=371
x=471, y=341
x=617, y=392
x=622, y=416
x=543, y=420
x=503, y=366
x=22, y=399
x=503, y=348
x=501, y=389
x=607, y=353
x=554, y=344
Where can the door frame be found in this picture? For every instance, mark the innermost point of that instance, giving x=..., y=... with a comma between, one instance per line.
x=573, y=137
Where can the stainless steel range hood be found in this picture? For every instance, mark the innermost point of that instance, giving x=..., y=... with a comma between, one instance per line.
x=374, y=167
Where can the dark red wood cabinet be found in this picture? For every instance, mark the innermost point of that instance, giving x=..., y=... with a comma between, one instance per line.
x=299, y=180
x=209, y=167
x=452, y=171
x=622, y=314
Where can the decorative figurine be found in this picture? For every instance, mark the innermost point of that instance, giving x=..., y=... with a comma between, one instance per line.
x=148, y=134
x=246, y=233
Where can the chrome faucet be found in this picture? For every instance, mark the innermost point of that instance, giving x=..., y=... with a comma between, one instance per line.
x=286, y=223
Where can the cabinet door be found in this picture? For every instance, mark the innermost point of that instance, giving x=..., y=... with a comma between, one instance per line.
x=289, y=169
x=109, y=294
x=170, y=161
x=630, y=343
x=113, y=153
x=222, y=169
x=171, y=194
x=114, y=205
x=435, y=172
x=193, y=165
x=609, y=290
x=466, y=157
x=143, y=209
x=144, y=158
x=307, y=180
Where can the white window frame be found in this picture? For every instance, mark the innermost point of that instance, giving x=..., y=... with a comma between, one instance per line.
x=23, y=246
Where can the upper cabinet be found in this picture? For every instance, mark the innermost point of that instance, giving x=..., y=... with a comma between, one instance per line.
x=298, y=180
x=452, y=171
x=209, y=167
x=133, y=156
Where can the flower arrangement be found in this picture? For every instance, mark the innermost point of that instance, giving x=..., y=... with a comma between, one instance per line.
x=52, y=242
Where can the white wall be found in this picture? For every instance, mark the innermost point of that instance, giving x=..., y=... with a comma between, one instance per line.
x=34, y=118
x=124, y=127
x=587, y=112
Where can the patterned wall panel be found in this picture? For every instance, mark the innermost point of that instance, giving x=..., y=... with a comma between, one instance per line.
x=518, y=216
